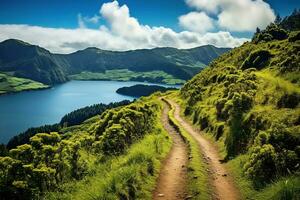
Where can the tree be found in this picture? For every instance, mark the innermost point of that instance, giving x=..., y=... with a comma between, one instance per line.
x=278, y=19
x=257, y=30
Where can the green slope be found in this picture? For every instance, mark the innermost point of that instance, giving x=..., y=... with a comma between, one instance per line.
x=248, y=101
x=10, y=84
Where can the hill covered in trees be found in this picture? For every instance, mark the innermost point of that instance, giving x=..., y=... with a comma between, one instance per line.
x=142, y=90
x=24, y=60
x=75, y=117
x=248, y=100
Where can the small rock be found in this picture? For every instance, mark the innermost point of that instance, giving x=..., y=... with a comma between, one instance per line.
x=182, y=166
x=190, y=157
x=188, y=197
x=160, y=195
x=195, y=177
x=224, y=175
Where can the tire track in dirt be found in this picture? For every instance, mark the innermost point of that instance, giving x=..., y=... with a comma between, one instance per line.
x=172, y=180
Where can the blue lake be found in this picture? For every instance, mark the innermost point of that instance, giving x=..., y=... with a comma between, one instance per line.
x=20, y=111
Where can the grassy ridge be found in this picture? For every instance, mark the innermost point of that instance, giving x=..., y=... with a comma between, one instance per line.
x=198, y=183
x=127, y=75
x=10, y=84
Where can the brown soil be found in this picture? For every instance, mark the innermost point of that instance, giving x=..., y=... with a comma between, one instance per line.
x=221, y=180
x=171, y=184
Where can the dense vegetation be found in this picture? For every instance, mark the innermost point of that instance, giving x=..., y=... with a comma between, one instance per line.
x=73, y=118
x=249, y=100
x=80, y=115
x=51, y=161
x=36, y=63
x=142, y=90
x=9, y=84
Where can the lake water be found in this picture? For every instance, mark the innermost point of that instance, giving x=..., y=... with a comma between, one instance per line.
x=35, y=108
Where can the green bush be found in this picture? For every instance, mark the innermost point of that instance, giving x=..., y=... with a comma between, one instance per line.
x=272, y=32
x=257, y=59
x=295, y=36
x=261, y=166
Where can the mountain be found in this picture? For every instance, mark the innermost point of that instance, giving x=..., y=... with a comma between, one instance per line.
x=21, y=59
x=29, y=61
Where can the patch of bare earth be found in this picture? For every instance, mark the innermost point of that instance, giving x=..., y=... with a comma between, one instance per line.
x=172, y=180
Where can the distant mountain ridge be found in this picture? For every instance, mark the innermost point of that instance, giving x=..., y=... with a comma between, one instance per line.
x=22, y=59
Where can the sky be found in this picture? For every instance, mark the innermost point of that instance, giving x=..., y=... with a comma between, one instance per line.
x=65, y=26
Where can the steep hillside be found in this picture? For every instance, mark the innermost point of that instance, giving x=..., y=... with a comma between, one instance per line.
x=29, y=61
x=248, y=100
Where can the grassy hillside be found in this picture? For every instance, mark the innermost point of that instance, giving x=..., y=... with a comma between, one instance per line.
x=112, y=156
x=127, y=75
x=168, y=65
x=9, y=84
x=248, y=100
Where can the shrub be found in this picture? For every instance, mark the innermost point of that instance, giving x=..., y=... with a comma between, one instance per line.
x=295, y=36
x=289, y=101
x=257, y=59
x=262, y=164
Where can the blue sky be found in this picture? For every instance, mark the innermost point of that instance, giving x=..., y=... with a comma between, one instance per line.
x=177, y=15
x=63, y=13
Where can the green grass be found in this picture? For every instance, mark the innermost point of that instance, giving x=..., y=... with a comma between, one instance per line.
x=285, y=188
x=133, y=173
x=127, y=75
x=9, y=84
x=198, y=183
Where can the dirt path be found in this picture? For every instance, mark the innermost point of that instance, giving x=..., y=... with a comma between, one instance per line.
x=173, y=175
x=221, y=181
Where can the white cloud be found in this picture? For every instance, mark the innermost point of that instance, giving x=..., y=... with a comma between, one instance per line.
x=95, y=19
x=237, y=15
x=123, y=32
x=196, y=21
x=83, y=20
x=81, y=23
x=245, y=15
x=206, y=5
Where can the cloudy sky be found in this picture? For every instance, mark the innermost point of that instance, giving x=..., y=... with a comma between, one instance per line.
x=64, y=26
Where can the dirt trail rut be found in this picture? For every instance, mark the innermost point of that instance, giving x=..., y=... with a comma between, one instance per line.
x=171, y=184
x=221, y=181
